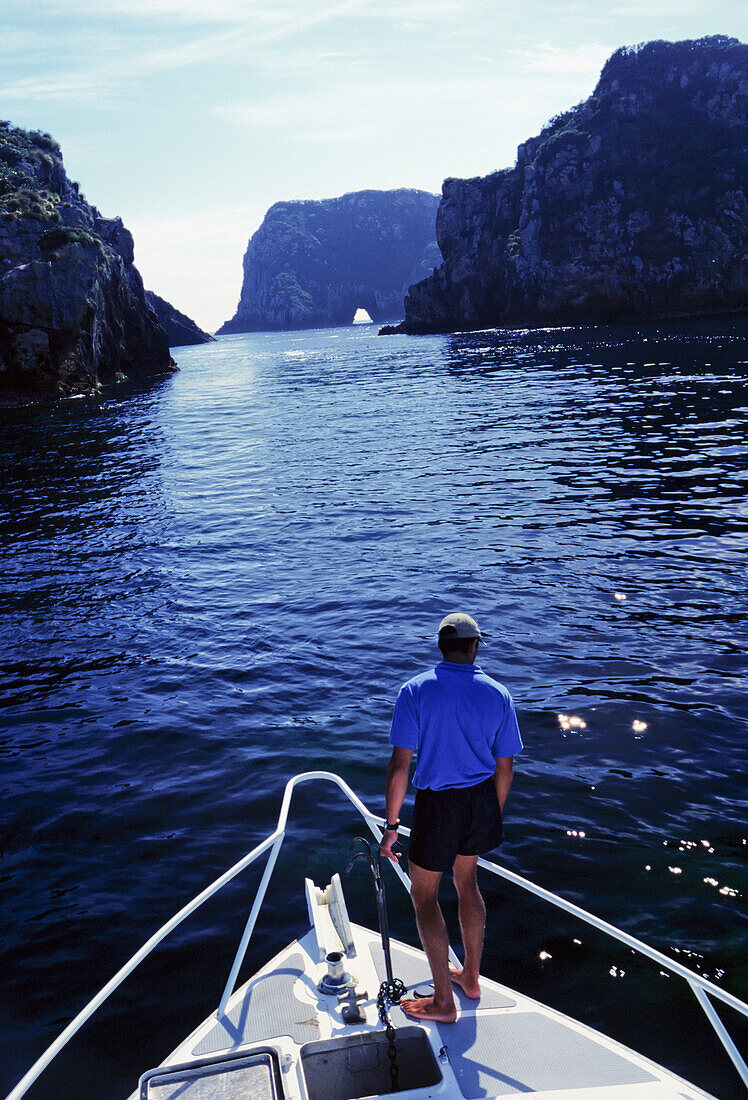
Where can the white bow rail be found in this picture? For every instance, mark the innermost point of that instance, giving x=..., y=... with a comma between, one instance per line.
x=702, y=988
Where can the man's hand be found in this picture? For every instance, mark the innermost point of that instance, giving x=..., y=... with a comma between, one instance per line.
x=397, y=784
x=386, y=847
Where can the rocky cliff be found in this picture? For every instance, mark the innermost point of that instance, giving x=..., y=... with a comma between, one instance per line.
x=73, y=312
x=630, y=205
x=314, y=263
x=179, y=328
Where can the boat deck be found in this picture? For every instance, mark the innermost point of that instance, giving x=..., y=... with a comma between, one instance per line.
x=505, y=1044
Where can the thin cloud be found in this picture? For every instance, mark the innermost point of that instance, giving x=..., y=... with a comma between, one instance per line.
x=648, y=8
x=290, y=14
x=334, y=136
x=183, y=11
x=338, y=102
x=16, y=40
x=128, y=61
x=81, y=89
x=432, y=11
x=547, y=58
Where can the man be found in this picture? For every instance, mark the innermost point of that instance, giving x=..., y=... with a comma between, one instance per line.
x=463, y=728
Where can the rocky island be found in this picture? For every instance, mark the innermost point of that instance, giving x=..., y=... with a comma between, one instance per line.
x=73, y=311
x=631, y=205
x=314, y=263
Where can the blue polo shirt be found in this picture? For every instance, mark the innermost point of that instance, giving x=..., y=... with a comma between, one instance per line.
x=458, y=720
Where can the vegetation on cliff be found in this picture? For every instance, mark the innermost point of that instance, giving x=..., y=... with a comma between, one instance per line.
x=632, y=204
x=73, y=312
x=314, y=263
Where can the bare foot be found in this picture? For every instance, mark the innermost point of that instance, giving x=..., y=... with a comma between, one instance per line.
x=424, y=1008
x=471, y=989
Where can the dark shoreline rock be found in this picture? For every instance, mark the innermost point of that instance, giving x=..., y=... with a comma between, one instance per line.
x=402, y=328
x=312, y=264
x=73, y=311
x=632, y=206
x=180, y=329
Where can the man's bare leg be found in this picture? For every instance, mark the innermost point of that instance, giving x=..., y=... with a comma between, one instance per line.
x=472, y=914
x=435, y=940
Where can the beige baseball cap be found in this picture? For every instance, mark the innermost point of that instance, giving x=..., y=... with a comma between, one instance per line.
x=462, y=626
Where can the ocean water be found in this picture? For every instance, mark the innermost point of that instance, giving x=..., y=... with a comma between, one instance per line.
x=219, y=580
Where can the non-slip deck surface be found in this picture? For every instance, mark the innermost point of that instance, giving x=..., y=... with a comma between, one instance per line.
x=522, y=1052
x=270, y=1009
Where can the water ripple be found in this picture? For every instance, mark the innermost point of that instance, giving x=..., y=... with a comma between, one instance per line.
x=216, y=581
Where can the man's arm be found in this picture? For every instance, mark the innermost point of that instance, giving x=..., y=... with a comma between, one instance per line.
x=398, y=771
x=503, y=777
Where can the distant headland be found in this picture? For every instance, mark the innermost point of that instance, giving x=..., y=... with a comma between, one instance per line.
x=180, y=329
x=314, y=263
x=632, y=205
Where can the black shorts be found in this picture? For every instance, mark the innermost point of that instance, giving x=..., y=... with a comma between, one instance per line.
x=463, y=821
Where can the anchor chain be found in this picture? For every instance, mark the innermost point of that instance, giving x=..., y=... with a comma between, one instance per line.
x=390, y=993
x=392, y=990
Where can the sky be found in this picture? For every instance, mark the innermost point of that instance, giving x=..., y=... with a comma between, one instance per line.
x=190, y=118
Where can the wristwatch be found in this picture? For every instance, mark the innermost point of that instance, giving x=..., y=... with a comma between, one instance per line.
x=391, y=827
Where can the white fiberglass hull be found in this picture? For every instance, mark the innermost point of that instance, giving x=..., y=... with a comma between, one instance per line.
x=502, y=1045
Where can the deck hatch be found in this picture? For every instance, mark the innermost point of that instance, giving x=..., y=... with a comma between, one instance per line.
x=254, y=1076
x=350, y=1066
